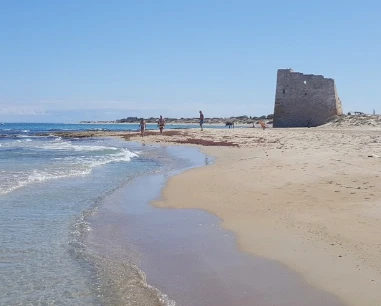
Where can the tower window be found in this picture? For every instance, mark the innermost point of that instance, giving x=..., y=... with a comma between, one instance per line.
x=284, y=91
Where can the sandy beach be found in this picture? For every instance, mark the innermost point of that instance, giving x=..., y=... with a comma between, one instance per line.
x=308, y=198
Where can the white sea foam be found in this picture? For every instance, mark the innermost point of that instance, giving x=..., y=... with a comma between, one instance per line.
x=59, y=145
x=66, y=145
x=40, y=176
x=93, y=148
x=163, y=298
x=72, y=166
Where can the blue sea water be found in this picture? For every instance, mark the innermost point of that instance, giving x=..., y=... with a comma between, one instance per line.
x=49, y=186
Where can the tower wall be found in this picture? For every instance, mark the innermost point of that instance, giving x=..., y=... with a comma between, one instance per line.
x=303, y=100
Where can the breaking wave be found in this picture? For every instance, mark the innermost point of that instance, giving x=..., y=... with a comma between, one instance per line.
x=66, y=160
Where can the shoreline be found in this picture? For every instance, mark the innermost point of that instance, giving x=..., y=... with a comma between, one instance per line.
x=308, y=198
x=182, y=252
x=310, y=205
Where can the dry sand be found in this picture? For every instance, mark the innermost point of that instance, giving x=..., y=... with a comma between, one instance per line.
x=309, y=198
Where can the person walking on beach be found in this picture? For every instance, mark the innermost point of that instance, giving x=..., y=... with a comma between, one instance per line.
x=161, y=124
x=201, y=120
x=142, y=126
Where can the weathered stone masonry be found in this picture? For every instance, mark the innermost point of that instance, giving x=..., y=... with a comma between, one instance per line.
x=303, y=100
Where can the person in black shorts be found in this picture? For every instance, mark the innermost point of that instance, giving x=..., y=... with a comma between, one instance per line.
x=161, y=124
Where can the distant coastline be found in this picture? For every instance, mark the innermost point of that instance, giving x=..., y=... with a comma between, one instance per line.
x=184, y=121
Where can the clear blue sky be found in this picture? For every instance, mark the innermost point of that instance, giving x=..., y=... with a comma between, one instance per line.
x=92, y=60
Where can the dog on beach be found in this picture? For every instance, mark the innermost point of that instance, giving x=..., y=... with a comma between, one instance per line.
x=230, y=124
x=263, y=125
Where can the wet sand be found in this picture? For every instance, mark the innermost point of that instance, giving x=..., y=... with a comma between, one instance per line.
x=308, y=198
x=185, y=253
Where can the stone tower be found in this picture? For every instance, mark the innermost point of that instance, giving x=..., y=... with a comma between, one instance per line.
x=303, y=100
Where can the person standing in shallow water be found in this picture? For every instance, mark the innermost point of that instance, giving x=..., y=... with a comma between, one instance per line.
x=201, y=120
x=142, y=126
x=161, y=124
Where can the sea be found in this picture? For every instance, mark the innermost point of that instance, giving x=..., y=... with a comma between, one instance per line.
x=77, y=227
x=50, y=188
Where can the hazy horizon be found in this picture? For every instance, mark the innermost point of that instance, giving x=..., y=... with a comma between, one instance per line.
x=145, y=117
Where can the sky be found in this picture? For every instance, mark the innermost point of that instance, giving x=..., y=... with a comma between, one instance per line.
x=72, y=60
